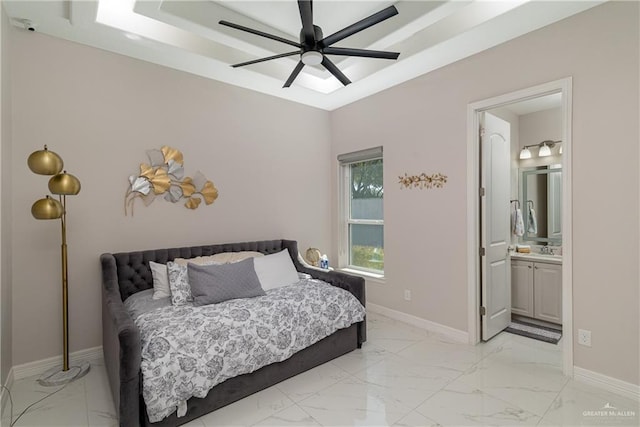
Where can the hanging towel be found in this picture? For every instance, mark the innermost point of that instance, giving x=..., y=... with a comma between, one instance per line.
x=533, y=222
x=518, y=223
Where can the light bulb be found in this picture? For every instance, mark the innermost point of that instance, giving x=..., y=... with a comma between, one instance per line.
x=544, y=151
x=525, y=153
x=311, y=57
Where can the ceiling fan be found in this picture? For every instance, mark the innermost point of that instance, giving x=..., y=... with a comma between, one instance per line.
x=313, y=47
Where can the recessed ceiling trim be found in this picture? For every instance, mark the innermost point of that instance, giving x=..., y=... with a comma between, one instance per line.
x=203, y=19
x=424, y=34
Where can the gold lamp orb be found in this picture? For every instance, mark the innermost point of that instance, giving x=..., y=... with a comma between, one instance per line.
x=64, y=184
x=45, y=162
x=47, y=208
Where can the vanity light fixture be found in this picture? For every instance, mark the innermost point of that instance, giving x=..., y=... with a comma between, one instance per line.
x=525, y=153
x=544, y=149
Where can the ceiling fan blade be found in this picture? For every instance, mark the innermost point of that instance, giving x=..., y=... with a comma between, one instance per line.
x=306, y=15
x=331, y=67
x=255, y=61
x=259, y=33
x=359, y=26
x=294, y=74
x=366, y=53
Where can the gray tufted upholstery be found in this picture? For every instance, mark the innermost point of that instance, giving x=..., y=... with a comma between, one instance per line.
x=124, y=274
x=134, y=274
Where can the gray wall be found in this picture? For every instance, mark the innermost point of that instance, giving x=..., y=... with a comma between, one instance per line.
x=101, y=112
x=5, y=206
x=422, y=125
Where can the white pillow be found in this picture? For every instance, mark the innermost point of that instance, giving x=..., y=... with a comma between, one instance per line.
x=233, y=257
x=275, y=270
x=160, y=280
x=220, y=258
x=199, y=260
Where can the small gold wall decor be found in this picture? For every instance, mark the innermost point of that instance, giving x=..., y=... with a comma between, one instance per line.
x=436, y=180
x=164, y=174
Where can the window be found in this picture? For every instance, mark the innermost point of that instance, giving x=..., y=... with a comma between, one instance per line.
x=361, y=211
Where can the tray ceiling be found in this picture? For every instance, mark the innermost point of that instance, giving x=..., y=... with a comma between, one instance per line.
x=185, y=35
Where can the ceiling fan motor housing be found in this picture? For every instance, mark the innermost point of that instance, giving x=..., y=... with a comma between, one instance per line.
x=317, y=36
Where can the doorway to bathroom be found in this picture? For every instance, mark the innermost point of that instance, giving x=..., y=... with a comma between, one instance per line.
x=519, y=213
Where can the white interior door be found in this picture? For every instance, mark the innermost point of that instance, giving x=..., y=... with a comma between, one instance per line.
x=495, y=225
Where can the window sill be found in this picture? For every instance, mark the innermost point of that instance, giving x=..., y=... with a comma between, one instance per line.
x=372, y=277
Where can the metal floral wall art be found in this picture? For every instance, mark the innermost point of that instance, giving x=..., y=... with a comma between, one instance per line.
x=164, y=175
x=436, y=180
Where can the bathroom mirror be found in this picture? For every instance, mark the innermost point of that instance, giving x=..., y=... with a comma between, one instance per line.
x=541, y=203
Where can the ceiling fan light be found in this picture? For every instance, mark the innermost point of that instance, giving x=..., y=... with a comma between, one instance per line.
x=525, y=153
x=544, y=151
x=311, y=57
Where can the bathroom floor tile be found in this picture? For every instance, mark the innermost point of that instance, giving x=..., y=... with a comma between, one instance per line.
x=249, y=410
x=402, y=376
x=361, y=358
x=583, y=404
x=195, y=423
x=462, y=405
x=293, y=416
x=304, y=385
x=415, y=419
x=409, y=383
x=71, y=411
x=455, y=357
x=355, y=402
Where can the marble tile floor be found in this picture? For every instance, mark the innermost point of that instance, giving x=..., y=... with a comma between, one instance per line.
x=403, y=376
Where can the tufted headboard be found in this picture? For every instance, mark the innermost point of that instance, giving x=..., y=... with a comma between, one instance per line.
x=134, y=274
x=124, y=274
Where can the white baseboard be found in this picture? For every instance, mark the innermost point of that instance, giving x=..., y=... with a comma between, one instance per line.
x=605, y=382
x=5, y=396
x=38, y=367
x=449, y=332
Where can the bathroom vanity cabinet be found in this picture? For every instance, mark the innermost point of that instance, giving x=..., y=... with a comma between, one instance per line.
x=536, y=289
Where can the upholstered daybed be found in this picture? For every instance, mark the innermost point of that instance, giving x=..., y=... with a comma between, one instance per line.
x=126, y=274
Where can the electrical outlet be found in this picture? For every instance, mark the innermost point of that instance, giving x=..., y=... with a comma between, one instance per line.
x=407, y=295
x=584, y=337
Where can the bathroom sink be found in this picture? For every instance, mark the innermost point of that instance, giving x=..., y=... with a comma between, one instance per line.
x=537, y=256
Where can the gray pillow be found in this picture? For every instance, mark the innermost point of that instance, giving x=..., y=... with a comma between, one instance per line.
x=211, y=284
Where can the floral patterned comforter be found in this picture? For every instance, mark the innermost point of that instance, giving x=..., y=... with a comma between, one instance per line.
x=187, y=350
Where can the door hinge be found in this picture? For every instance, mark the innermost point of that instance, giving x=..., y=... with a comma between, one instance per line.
x=481, y=131
x=483, y=311
x=483, y=251
x=482, y=192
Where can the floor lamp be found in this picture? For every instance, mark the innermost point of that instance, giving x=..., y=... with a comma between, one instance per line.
x=45, y=162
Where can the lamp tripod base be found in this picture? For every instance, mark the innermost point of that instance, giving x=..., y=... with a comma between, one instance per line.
x=56, y=376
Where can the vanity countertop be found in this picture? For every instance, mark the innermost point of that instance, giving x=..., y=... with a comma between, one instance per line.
x=551, y=259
